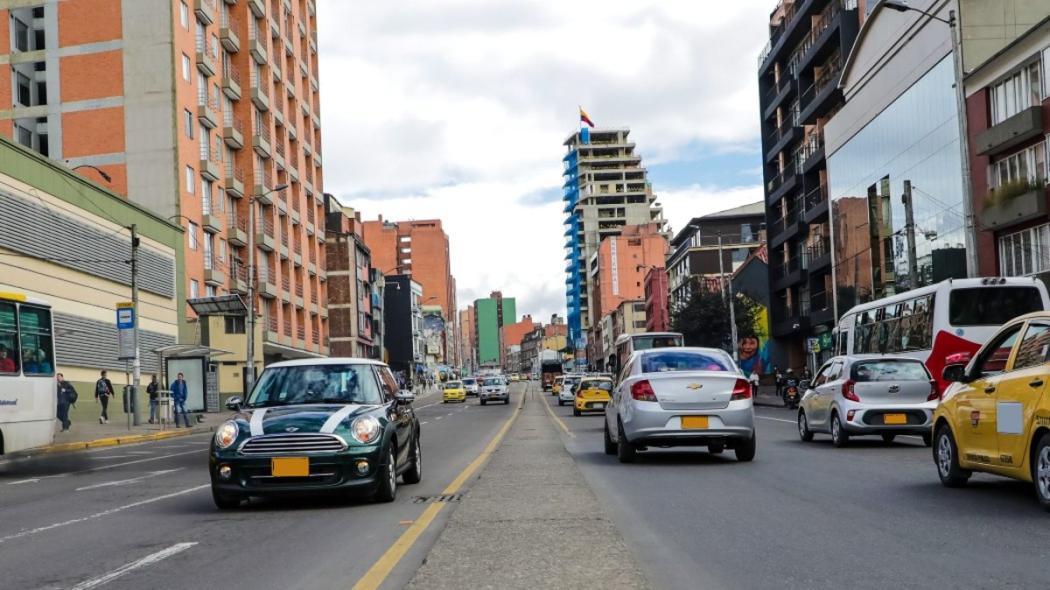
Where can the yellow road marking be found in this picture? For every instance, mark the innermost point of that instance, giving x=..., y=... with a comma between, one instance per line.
x=558, y=420
x=377, y=574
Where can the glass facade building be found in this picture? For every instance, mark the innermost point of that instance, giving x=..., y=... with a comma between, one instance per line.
x=915, y=139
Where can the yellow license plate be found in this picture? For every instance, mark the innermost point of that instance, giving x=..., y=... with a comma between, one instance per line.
x=894, y=419
x=290, y=467
x=694, y=422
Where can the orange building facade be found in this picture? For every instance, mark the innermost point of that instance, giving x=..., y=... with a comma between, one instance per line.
x=194, y=109
x=621, y=264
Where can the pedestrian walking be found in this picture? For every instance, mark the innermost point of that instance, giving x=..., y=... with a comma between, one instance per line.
x=753, y=378
x=178, y=399
x=778, y=378
x=67, y=396
x=103, y=392
x=152, y=389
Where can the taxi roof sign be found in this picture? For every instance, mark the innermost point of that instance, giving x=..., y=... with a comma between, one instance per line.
x=12, y=296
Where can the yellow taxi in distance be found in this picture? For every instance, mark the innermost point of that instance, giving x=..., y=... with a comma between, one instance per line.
x=994, y=417
x=558, y=382
x=454, y=391
x=592, y=395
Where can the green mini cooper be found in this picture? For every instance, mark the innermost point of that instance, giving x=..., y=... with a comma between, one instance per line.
x=318, y=425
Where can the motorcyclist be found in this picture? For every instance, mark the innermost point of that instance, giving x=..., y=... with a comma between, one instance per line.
x=789, y=381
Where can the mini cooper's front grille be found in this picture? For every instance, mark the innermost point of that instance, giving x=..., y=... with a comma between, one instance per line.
x=292, y=444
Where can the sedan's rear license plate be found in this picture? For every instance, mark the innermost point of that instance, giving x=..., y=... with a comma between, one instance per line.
x=290, y=467
x=694, y=422
x=599, y=406
x=894, y=418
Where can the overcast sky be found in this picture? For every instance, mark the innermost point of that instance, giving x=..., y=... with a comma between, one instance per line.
x=457, y=109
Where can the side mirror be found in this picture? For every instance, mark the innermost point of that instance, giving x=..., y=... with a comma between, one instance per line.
x=955, y=373
x=234, y=404
x=405, y=397
x=959, y=358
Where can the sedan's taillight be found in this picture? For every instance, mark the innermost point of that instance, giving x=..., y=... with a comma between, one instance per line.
x=847, y=391
x=741, y=390
x=935, y=392
x=643, y=391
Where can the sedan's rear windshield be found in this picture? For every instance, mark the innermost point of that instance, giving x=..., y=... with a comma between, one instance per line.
x=468, y=382
x=494, y=381
x=991, y=306
x=669, y=360
x=603, y=384
x=312, y=384
x=453, y=385
x=889, y=370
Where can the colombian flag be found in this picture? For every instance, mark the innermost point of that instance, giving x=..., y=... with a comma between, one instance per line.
x=584, y=118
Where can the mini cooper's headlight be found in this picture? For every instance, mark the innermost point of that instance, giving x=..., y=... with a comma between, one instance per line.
x=226, y=434
x=365, y=429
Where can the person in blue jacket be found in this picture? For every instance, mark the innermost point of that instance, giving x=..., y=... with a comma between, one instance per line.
x=179, y=392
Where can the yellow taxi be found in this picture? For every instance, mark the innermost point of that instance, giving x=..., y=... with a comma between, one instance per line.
x=558, y=382
x=454, y=391
x=592, y=395
x=994, y=416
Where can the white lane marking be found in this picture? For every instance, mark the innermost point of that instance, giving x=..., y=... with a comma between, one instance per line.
x=124, y=482
x=255, y=425
x=775, y=419
x=120, y=571
x=421, y=423
x=337, y=418
x=168, y=456
x=115, y=457
x=439, y=417
x=28, y=532
x=35, y=479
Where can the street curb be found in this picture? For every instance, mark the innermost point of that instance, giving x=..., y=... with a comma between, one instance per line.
x=114, y=441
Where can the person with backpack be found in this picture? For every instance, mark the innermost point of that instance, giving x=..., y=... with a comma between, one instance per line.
x=152, y=389
x=103, y=391
x=67, y=396
x=179, y=392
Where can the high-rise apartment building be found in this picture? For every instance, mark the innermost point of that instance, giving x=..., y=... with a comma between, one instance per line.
x=619, y=267
x=605, y=188
x=350, y=294
x=798, y=73
x=467, y=358
x=195, y=109
x=490, y=315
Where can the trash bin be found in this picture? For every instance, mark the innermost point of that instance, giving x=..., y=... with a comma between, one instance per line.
x=127, y=396
x=164, y=408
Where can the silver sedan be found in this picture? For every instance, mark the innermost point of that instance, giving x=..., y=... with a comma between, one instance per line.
x=670, y=397
x=859, y=396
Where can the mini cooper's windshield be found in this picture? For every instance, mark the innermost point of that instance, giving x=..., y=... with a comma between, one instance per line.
x=313, y=384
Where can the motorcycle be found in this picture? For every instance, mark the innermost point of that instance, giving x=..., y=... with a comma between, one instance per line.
x=792, y=395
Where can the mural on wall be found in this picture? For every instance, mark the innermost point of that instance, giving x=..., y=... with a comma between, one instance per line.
x=753, y=346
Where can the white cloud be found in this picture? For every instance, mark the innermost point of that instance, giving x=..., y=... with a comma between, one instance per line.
x=457, y=109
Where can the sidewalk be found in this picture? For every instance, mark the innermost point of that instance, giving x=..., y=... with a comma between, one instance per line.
x=529, y=521
x=767, y=396
x=86, y=432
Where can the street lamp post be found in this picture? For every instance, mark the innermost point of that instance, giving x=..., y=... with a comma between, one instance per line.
x=249, y=361
x=969, y=237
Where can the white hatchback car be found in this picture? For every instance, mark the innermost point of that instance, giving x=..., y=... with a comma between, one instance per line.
x=668, y=397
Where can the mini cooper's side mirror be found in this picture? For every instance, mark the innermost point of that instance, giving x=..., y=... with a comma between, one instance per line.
x=406, y=397
x=955, y=373
x=234, y=403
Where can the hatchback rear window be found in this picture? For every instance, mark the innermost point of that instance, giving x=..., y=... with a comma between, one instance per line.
x=602, y=384
x=991, y=306
x=685, y=361
x=889, y=370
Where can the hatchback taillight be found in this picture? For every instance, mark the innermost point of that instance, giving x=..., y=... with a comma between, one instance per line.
x=847, y=391
x=643, y=391
x=935, y=392
x=741, y=390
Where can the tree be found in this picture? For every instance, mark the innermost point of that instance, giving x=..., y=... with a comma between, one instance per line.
x=704, y=319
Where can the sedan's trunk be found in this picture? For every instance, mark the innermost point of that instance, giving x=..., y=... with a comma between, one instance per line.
x=693, y=390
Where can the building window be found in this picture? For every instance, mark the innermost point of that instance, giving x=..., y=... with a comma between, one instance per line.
x=185, y=67
x=184, y=15
x=187, y=123
x=1026, y=252
x=206, y=197
x=1028, y=164
x=25, y=93
x=190, y=182
x=191, y=235
x=21, y=34
x=209, y=290
x=235, y=325
x=222, y=250
x=195, y=289
x=1016, y=93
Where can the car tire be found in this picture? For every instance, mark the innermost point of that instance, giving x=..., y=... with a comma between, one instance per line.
x=415, y=472
x=745, y=452
x=575, y=412
x=625, y=451
x=927, y=439
x=1041, y=470
x=888, y=438
x=560, y=403
x=386, y=490
x=506, y=402
x=482, y=402
x=946, y=457
x=610, y=446
x=804, y=432
x=225, y=501
x=839, y=438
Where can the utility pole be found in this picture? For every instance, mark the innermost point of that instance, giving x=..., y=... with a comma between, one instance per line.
x=136, y=366
x=969, y=236
x=249, y=364
x=909, y=229
x=732, y=312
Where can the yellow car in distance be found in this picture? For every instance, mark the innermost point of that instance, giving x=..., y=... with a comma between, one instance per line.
x=994, y=416
x=558, y=382
x=592, y=395
x=454, y=391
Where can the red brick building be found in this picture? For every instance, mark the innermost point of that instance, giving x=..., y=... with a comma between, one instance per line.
x=513, y=334
x=657, y=312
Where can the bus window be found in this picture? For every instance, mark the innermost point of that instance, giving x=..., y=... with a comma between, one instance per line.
x=37, y=346
x=920, y=336
x=991, y=306
x=8, y=344
x=907, y=309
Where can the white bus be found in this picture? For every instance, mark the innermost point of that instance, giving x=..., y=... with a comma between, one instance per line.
x=930, y=323
x=28, y=402
x=628, y=343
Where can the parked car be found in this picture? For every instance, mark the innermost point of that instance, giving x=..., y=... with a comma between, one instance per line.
x=317, y=425
x=471, y=385
x=995, y=415
x=680, y=397
x=592, y=395
x=868, y=396
x=494, y=389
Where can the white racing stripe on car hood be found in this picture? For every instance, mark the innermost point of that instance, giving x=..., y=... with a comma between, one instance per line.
x=337, y=418
x=256, y=423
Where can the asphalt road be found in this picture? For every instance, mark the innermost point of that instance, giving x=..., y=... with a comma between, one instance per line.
x=807, y=515
x=141, y=516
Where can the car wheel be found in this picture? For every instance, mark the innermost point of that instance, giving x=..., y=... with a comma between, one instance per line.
x=415, y=472
x=387, y=489
x=561, y=403
x=888, y=438
x=625, y=451
x=506, y=401
x=575, y=412
x=927, y=439
x=804, y=432
x=1041, y=470
x=746, y=451
x=610, y=446
x=839, y=438
x=482, y=402
x=946, y=455
x=224, y=501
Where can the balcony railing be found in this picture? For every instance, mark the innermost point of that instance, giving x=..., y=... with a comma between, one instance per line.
x=298, y=289
x=234, y=221
x=232, y=171
x=300, y=331
x=280, y=148
x=820, y=24
x=783, y=269
x=271, y=321
x=265, y=225
x=829, y=75
x=815, y=197
x=818, y=248
x=781, y=177
x=819, y=301
x=775, y=32
x=287, y=324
